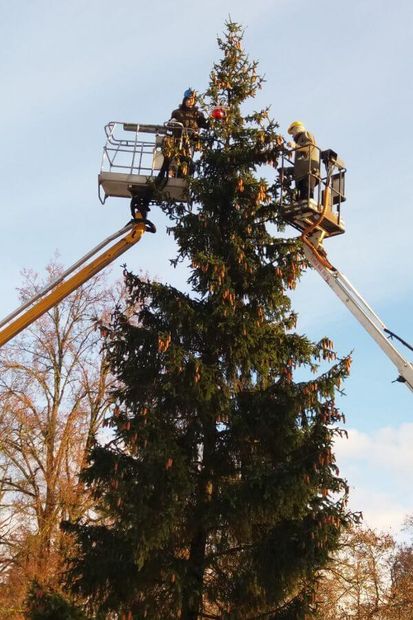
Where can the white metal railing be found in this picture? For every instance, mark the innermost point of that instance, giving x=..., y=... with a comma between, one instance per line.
x=323, y=167
x=130, y=147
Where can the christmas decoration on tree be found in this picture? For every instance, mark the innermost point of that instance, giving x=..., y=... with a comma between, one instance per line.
x=218, y=495
x=218, y=113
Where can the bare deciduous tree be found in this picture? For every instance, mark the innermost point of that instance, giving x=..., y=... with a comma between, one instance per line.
x=54, y=390
x=370, y=578
x=401, y=591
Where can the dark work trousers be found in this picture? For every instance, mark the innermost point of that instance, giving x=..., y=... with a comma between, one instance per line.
x=305, y=186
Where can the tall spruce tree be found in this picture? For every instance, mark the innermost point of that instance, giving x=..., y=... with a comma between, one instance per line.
x=218, y=496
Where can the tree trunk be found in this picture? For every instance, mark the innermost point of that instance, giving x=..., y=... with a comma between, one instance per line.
x=192, y=592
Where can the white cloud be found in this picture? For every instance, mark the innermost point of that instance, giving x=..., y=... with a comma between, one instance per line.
x=387, y=447
x=377, y=466
x=380, y=510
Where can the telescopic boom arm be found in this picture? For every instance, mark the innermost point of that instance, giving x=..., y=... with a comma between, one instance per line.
x=362, y=311
x=24, y=316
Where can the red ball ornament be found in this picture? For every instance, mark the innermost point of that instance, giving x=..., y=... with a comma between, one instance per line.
x=218, y=114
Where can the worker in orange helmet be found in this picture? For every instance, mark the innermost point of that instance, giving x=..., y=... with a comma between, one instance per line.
x=306, y=159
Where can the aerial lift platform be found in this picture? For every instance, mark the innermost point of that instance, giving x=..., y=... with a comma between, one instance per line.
x=317, y=217
x=133, y=157
x=133, y=167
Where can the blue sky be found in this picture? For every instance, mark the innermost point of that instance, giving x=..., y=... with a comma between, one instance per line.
x=344, y=69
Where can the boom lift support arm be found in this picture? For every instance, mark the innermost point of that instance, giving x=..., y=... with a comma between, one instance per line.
x=82, y=271
x=362, y=311
x=132, y=159
x=318, y=216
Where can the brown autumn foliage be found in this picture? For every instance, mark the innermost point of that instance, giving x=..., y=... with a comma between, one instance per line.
x=371, y=577
x=54, y=391
x=401, y=592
